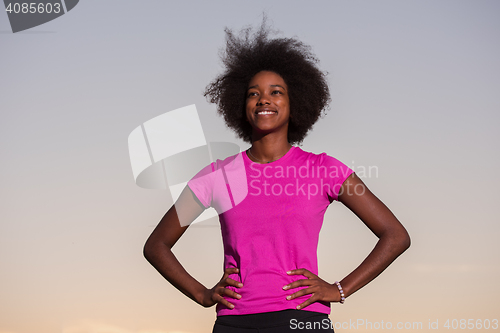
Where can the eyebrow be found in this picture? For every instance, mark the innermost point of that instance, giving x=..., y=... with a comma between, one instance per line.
x=272, y=85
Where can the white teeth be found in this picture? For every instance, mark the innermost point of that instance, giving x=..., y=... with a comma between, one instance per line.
x=266, y=112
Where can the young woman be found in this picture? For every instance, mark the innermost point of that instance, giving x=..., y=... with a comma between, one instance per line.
x=271, y=94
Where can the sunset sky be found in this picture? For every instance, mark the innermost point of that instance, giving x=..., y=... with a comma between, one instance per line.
x=415, y=95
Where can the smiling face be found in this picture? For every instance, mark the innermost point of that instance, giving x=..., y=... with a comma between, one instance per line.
x=267, y=103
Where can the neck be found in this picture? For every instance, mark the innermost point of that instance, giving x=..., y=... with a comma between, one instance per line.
x=269, y=151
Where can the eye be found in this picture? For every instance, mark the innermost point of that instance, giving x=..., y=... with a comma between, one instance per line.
x=277, y=92
x=251, y=94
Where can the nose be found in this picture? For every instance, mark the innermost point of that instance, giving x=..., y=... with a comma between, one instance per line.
x=264, y=99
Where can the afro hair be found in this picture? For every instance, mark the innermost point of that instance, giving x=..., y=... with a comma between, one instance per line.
x=248, y=53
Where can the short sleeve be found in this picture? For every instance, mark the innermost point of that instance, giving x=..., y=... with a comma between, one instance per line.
x=335, y=175
x=202, y=185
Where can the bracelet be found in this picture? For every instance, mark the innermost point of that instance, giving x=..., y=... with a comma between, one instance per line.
x=342, y=298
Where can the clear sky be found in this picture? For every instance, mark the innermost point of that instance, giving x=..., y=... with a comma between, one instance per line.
x=415, y=93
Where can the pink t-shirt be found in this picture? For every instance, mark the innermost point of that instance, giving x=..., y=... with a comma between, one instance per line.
x=270, y=216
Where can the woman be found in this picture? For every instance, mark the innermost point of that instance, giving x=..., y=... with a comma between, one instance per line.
x=271, y=94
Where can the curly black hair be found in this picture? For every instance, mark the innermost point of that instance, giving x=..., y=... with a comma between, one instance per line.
x=251, y=52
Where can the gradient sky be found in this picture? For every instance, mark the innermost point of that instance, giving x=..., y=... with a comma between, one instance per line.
x=415, y=92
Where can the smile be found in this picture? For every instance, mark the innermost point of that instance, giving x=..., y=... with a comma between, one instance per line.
x=266, y=112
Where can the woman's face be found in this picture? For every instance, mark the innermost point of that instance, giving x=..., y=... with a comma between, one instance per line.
x=267, y=103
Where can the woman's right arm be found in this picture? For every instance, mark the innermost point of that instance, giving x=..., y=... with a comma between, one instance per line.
x=157, y=251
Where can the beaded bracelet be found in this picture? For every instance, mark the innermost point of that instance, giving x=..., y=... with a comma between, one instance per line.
x=342, y=298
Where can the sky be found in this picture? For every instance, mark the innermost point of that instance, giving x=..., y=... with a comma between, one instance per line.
x=415, y=97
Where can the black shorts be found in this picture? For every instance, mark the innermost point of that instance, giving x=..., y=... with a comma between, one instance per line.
x=285, y=321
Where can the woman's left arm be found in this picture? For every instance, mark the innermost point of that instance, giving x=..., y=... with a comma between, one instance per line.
x=393, y=237
x=393, y=241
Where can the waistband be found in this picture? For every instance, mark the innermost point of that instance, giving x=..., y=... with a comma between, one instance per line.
x=268, y=319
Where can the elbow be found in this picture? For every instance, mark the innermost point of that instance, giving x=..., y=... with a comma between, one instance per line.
x=148, y=250
x=404, y=241
x=155, y=250
x=407, y=242
x=399, y=240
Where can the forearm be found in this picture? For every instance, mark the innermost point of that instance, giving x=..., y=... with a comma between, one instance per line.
x=161, y=257
x=390, y=245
